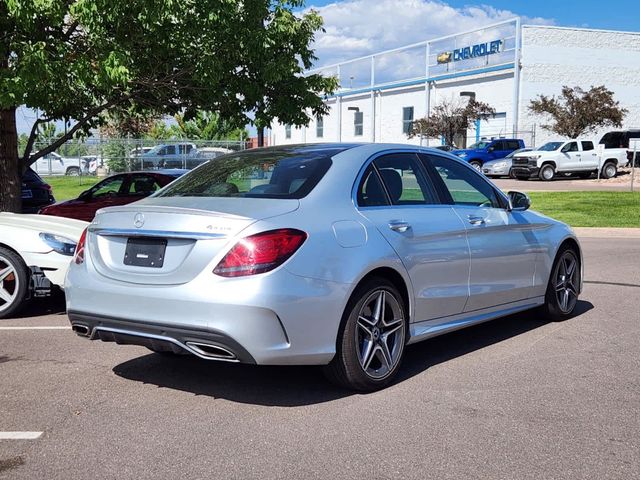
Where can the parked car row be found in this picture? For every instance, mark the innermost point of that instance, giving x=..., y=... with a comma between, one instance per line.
x=509, y=157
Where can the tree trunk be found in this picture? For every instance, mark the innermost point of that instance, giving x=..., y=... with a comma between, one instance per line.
x=260, y=136
x=10, y=170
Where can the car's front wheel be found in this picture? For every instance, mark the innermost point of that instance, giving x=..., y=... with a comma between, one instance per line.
x=14, y=283
x=372, y=338
x=547, y=172
x=563, y=287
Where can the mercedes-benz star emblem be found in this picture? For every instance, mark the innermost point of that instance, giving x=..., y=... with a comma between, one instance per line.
x=138, y=220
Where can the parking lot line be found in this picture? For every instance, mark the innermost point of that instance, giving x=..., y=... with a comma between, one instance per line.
x=20, y=435
x=37, y=328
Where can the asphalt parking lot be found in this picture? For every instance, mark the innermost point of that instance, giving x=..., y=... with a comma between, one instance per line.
x=513, y=398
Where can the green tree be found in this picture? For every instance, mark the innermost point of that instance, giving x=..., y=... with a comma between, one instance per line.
x=576, y=112
x=81, y=59
x=450, y=118
x=207, y=126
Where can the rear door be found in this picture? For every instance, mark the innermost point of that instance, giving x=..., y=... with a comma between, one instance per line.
x=589, y=159
x=503, y=245
x=396, y=195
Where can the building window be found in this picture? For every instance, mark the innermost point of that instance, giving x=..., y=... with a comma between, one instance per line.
x=287, y=131
x=319, y=127
x=358, y=120
x=407, y=119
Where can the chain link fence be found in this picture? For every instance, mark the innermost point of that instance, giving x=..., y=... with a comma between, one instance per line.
x=98, y=156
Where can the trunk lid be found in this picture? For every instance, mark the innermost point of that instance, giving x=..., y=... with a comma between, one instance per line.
x=170, y=240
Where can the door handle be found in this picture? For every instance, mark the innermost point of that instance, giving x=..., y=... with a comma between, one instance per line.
x=475, y=220
x=399, y=226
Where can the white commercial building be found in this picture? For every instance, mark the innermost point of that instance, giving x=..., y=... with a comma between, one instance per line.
x=505, y=65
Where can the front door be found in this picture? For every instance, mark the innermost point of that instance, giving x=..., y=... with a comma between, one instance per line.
x=396, y=195
x=503, y=244
x=572, y=156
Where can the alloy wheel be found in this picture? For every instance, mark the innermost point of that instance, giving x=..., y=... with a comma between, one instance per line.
x=565, y=282
x=547, y=173
x=380, y=334
x=9, y=284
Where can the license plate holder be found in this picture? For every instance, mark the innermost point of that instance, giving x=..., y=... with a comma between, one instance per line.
x=27, y=193
x=145, y=252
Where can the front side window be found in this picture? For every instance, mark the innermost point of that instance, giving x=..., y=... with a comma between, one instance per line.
x=465, y=186
x=280, y=173
x=407, y=119
x=570, y=147
x=479, y=145
x=320, y=127
x=108, y=187
x=358, y=121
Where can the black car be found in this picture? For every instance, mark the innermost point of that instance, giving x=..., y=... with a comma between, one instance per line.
x=36, y=193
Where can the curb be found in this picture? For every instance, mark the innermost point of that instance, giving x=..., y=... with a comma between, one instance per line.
x=595, y=232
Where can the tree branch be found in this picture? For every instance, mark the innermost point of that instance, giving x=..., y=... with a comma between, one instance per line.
x=32, y=137
x=69, y=135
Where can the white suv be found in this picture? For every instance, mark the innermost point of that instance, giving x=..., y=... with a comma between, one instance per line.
x=571, y=157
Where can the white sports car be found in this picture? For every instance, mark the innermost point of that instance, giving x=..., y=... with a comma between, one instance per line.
x=35, y=252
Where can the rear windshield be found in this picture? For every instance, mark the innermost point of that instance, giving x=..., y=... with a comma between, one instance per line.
x=278, y=173
x=614, y=140
x=31, y=176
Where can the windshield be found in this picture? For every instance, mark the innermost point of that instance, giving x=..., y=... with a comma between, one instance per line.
x=479, y=145
x=551, y=146
x=272, y=173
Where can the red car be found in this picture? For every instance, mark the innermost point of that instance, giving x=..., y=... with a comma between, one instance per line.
x=118, y=189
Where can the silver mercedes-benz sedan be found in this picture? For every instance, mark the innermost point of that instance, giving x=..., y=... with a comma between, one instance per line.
x=333, y=254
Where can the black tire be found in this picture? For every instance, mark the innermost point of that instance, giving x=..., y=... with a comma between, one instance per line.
x=511, y=174
x=547, y=172
x=73, y=171
x=14, y=283
x=347, y=369
x=609, y=170
x=553, y=308
x=477, y=164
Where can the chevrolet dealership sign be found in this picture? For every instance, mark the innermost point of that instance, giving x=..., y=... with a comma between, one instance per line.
x=474, y=51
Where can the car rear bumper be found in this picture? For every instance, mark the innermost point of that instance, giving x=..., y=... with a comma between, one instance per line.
x=271, y=319
x=163, y=338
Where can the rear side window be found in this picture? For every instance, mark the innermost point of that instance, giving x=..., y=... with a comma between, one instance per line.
x=513, y=145
x=404, y=181
x=587, y=146
x=371, y=192
x=278, y=173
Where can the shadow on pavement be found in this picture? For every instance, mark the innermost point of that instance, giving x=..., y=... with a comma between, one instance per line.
x=297, y=386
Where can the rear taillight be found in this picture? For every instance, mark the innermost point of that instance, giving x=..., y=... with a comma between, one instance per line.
x=78, y=256
x=260, y=253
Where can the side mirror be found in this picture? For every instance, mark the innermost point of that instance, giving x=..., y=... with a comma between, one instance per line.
x=518, y=201
x=491, y=149
x=85, y=196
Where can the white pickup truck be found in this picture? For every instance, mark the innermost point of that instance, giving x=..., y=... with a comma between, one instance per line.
x=54, y=164
x=578, y=157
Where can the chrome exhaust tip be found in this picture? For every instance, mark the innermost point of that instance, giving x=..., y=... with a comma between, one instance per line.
x=212, y=351
x=80, y=329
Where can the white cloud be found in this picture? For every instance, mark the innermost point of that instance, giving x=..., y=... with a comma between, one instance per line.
x=359, y=27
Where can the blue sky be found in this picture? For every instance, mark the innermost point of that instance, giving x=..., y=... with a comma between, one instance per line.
x=612, y=14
